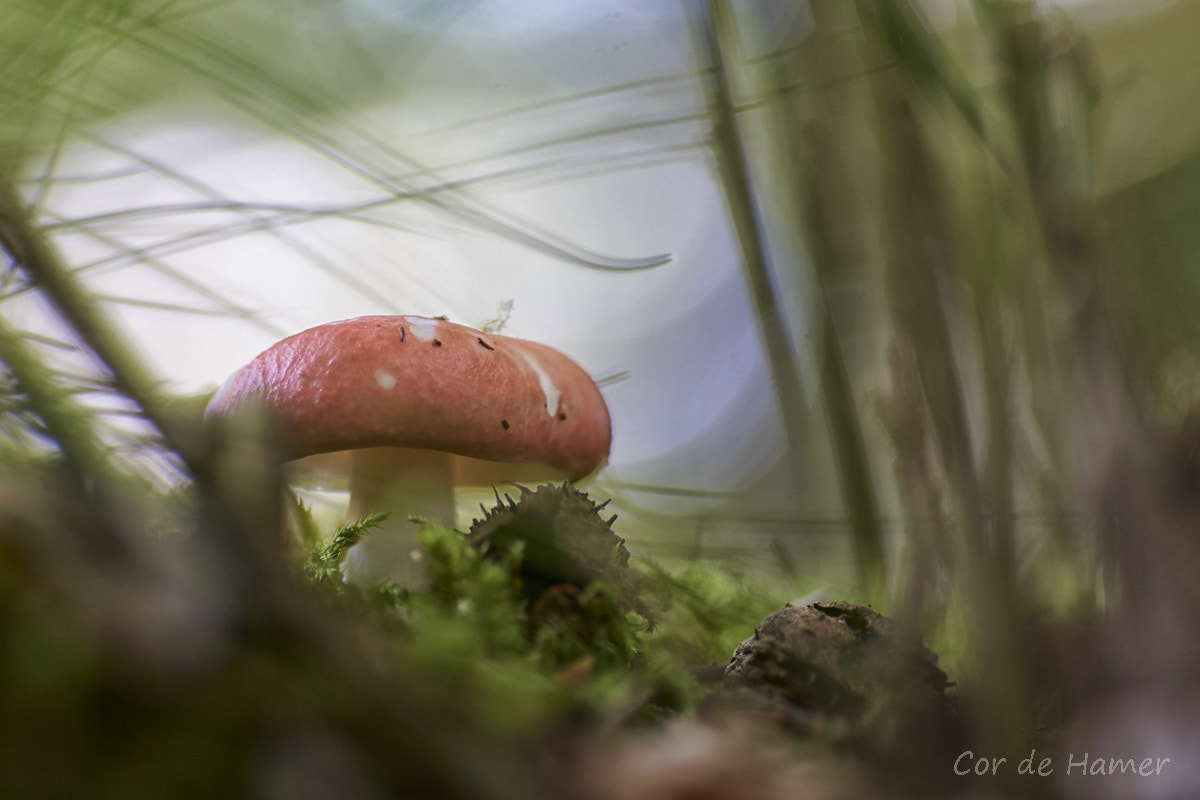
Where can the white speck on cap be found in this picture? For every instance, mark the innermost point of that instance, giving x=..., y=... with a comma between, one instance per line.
x=552, y=392
x=385, y=379
x=421, y=328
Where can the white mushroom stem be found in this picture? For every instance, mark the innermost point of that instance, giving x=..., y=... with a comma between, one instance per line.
x=403, y=481
x=407, y=483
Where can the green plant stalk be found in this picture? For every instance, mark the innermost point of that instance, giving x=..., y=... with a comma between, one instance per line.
x=65, y=421
x=25, y=243
x=739, y=192
x=859, y=497
x=739, y=196
x=923, y=58
x=927, y=256
x=810, y=194
x=853, y=467
x=849, y=447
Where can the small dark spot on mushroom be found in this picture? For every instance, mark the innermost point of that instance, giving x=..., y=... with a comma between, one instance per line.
x=402, y=333
x=437, y=342
x=485, y=344
x=562, y=415
x=504, y=424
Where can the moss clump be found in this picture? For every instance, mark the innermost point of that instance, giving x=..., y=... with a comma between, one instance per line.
x=540, y=608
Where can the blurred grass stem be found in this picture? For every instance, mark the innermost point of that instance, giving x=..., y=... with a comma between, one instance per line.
x=27, y=246
x=714, y=32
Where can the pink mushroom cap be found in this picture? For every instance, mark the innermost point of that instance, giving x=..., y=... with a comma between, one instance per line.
x=417, y=382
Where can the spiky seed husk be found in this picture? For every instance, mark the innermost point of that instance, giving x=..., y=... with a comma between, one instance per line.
x=566, y=540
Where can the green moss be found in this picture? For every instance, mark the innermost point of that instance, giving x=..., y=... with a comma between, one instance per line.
x=324, y=564
x=586, y=630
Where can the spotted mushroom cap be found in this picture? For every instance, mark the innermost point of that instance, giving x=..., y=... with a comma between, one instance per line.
x=410, y=381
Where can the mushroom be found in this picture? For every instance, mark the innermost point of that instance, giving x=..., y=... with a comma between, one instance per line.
x=421, y=403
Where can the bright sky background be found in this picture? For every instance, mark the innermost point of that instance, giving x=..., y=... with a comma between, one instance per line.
x=511, y=100
x=694, y=410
